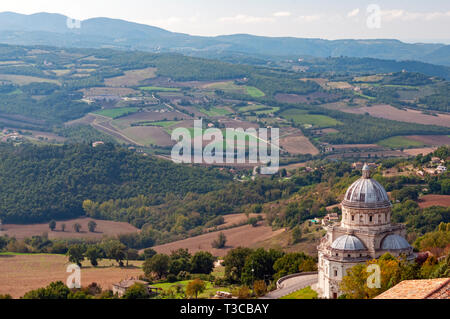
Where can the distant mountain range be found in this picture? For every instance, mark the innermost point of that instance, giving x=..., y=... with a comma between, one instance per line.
x=54, y=30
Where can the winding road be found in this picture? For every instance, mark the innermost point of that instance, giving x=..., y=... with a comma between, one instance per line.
x=292, y=284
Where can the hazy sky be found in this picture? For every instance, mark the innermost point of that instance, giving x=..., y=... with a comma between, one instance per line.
x=408, y=20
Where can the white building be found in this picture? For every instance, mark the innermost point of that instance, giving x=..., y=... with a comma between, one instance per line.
x=364, y=233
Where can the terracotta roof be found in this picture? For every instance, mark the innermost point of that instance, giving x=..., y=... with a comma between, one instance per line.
x=130, y=282
x=438, y=288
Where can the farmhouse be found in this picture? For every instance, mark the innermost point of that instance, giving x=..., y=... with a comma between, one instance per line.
x=121, y=287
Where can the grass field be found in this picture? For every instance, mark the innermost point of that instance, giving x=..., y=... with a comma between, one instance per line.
x=229, y=86
x=399, y=142
x=254, y=92
x=25, y=79
x=317, y=120
x=159, y=89
x=117, y=112
x=305, y=293
x=259, y=109
x=132, y=77
x=215, y=111
x=157, y=123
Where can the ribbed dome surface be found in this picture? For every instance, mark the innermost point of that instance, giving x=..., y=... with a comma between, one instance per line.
x=393, y=242
x=347, y=242
x=366, y=193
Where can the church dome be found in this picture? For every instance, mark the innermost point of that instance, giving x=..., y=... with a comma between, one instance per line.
x=366, y=193
x=394, y=242
x=347, y=242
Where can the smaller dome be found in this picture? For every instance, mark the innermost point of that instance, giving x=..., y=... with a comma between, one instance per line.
x=393, y=242
x=347, y=242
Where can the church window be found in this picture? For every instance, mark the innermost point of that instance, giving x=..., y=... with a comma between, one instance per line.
x=370, y=218
x=353, y=217
x=335, y=273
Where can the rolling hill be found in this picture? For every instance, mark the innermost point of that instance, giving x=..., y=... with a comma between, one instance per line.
x=52, y=29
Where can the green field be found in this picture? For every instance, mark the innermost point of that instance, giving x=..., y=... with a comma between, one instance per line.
x=259, y=109
x=399, y=142
x=215, y=111
x=254, y=92
x=159, y=89
x=233, y=88
x=209, y=291
x=156, y=123
x=303, y=118
x=305, y=293
x=117, y=112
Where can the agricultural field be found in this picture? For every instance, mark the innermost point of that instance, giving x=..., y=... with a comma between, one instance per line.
x=259, y=109
x=253, y=236
x=104, y=228
x=215, y=111
x=158, y=89
x=117, y=112
x=408, y=115
x=25, y=79
x=20, y=273
x=315, y=120
x=230, y=87
x=434, y=200
x=399, y=142
x=131, y=78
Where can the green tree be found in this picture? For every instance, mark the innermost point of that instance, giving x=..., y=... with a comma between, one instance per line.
x=76, y=227
x=76, y=254
x=259, y=265
x=158, y=264
x=260, y=288
x=234, y=262
x=52, y=225
x=91, y=226
x=149, y=253
x=296, y=234
x=195, y=287
x=202, y=262
x=55, y=290
x=136, y=291
x=220, y=241
x=93, y=253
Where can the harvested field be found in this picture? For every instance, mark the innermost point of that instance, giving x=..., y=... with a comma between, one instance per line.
x=148, y=116
x=434, y=140
x=339, y=85
x=350, y=146
x=434, y=200
x=104, y=228
x=131, y=78
x=232, y=219
x=146, y=135
x=22, y=273
x=235, y=238
x=391, y=113
x=296, y=98
x=25, y=79
x=417, y=151
x=108, y=91
x=298, y=144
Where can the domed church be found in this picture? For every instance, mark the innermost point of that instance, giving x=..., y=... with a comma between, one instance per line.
x=364, y=233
